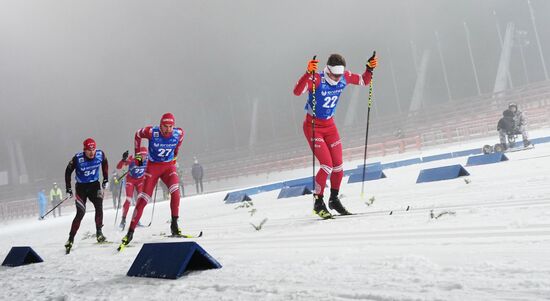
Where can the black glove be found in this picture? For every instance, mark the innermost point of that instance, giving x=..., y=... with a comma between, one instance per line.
x=125, y=155
x=69, y=192
x=105, y=184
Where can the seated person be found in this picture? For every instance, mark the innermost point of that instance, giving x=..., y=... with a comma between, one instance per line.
x=520, y=123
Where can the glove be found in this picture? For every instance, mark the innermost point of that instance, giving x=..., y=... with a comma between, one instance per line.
x=116, y=181
x=312, y=66
x=138, y=159
x=105, y=184
x=69, y=192
x=372, y=62
x=125, y=155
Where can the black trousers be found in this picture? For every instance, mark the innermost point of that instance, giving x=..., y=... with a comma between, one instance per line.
x=87, y=191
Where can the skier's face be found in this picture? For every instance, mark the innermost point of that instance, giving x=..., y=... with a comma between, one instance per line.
x=166, y=129
x=90, y=153
x=512, y=108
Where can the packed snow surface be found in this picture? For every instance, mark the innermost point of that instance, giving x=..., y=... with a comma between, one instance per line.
x=494, y=243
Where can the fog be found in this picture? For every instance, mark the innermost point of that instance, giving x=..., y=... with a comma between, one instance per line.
x=76, y=69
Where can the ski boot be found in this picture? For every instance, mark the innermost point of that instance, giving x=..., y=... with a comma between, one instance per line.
x=100, y=237
x=526, y=143
x=122, y=224
x=320, y=208
x=126, y=240
x=68, y=246
x=176, y=231
x=335, y=204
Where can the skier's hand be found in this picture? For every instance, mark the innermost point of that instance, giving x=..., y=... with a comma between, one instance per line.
x=125, y=155
x=372, y=62
x=69, y=192
x=105, y=184
x=312, y=66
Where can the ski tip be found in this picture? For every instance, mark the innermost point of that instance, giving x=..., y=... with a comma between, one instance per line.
x=200, y=234
x=391, y=212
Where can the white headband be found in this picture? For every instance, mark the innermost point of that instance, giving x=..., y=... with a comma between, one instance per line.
x=336, y=70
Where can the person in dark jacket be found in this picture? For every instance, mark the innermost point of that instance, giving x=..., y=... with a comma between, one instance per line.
x=197, y=173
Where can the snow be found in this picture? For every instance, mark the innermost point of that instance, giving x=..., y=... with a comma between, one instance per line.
x=495, y=247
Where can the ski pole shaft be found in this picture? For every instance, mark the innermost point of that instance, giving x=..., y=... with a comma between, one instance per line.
x=118, y=204
x=314, y=104
x=154, y=202
x=66, y=198
x=367, y=134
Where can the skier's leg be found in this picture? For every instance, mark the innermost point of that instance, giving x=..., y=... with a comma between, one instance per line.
x=335, y=148
x=96, y=197
x=151, y=177
x=129, y=196
x=202, y=187
x=322, y=154
x=80, y=203
x=171, y=179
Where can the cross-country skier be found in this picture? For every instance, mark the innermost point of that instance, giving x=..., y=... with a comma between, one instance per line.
x=87, y=165
x=164, y=143
x=134, y=183
x=329, y=84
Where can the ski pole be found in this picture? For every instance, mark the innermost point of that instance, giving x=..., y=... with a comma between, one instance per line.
x=154, y=202
x=66, y=198
x=367, y=133
x=314, y=102
x=119, y=196
x=120, y=192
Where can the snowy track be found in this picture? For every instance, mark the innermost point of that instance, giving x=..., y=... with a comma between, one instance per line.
x=495, y=247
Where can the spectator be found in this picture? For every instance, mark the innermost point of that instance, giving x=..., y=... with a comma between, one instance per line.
x=116, y=189
x=55, y=197
x=42, y=203
x=197, y=173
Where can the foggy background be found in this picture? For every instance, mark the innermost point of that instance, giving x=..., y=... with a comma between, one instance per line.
x=76, y=69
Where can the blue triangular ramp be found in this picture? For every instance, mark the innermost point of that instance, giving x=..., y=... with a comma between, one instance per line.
x=486, y=159
x=372, y=166
x=21, y=256
x=441, y=173
x=402, y=163
x=369, y=176
x=308, y=182
x=288, y=192
x=540, y=140
x=171, y=260
x=236, y=197
x=437, y=157
x=467, y=152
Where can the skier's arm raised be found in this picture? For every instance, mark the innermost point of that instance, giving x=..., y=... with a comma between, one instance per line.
x=305, y=82
x=179, y=143
x=143, y=133
x=362, y=80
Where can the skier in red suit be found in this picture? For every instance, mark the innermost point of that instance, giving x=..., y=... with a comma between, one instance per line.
x=329, y=84
x=164, y=143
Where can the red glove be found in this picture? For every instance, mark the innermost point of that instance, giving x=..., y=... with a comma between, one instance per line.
x=312, y=66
